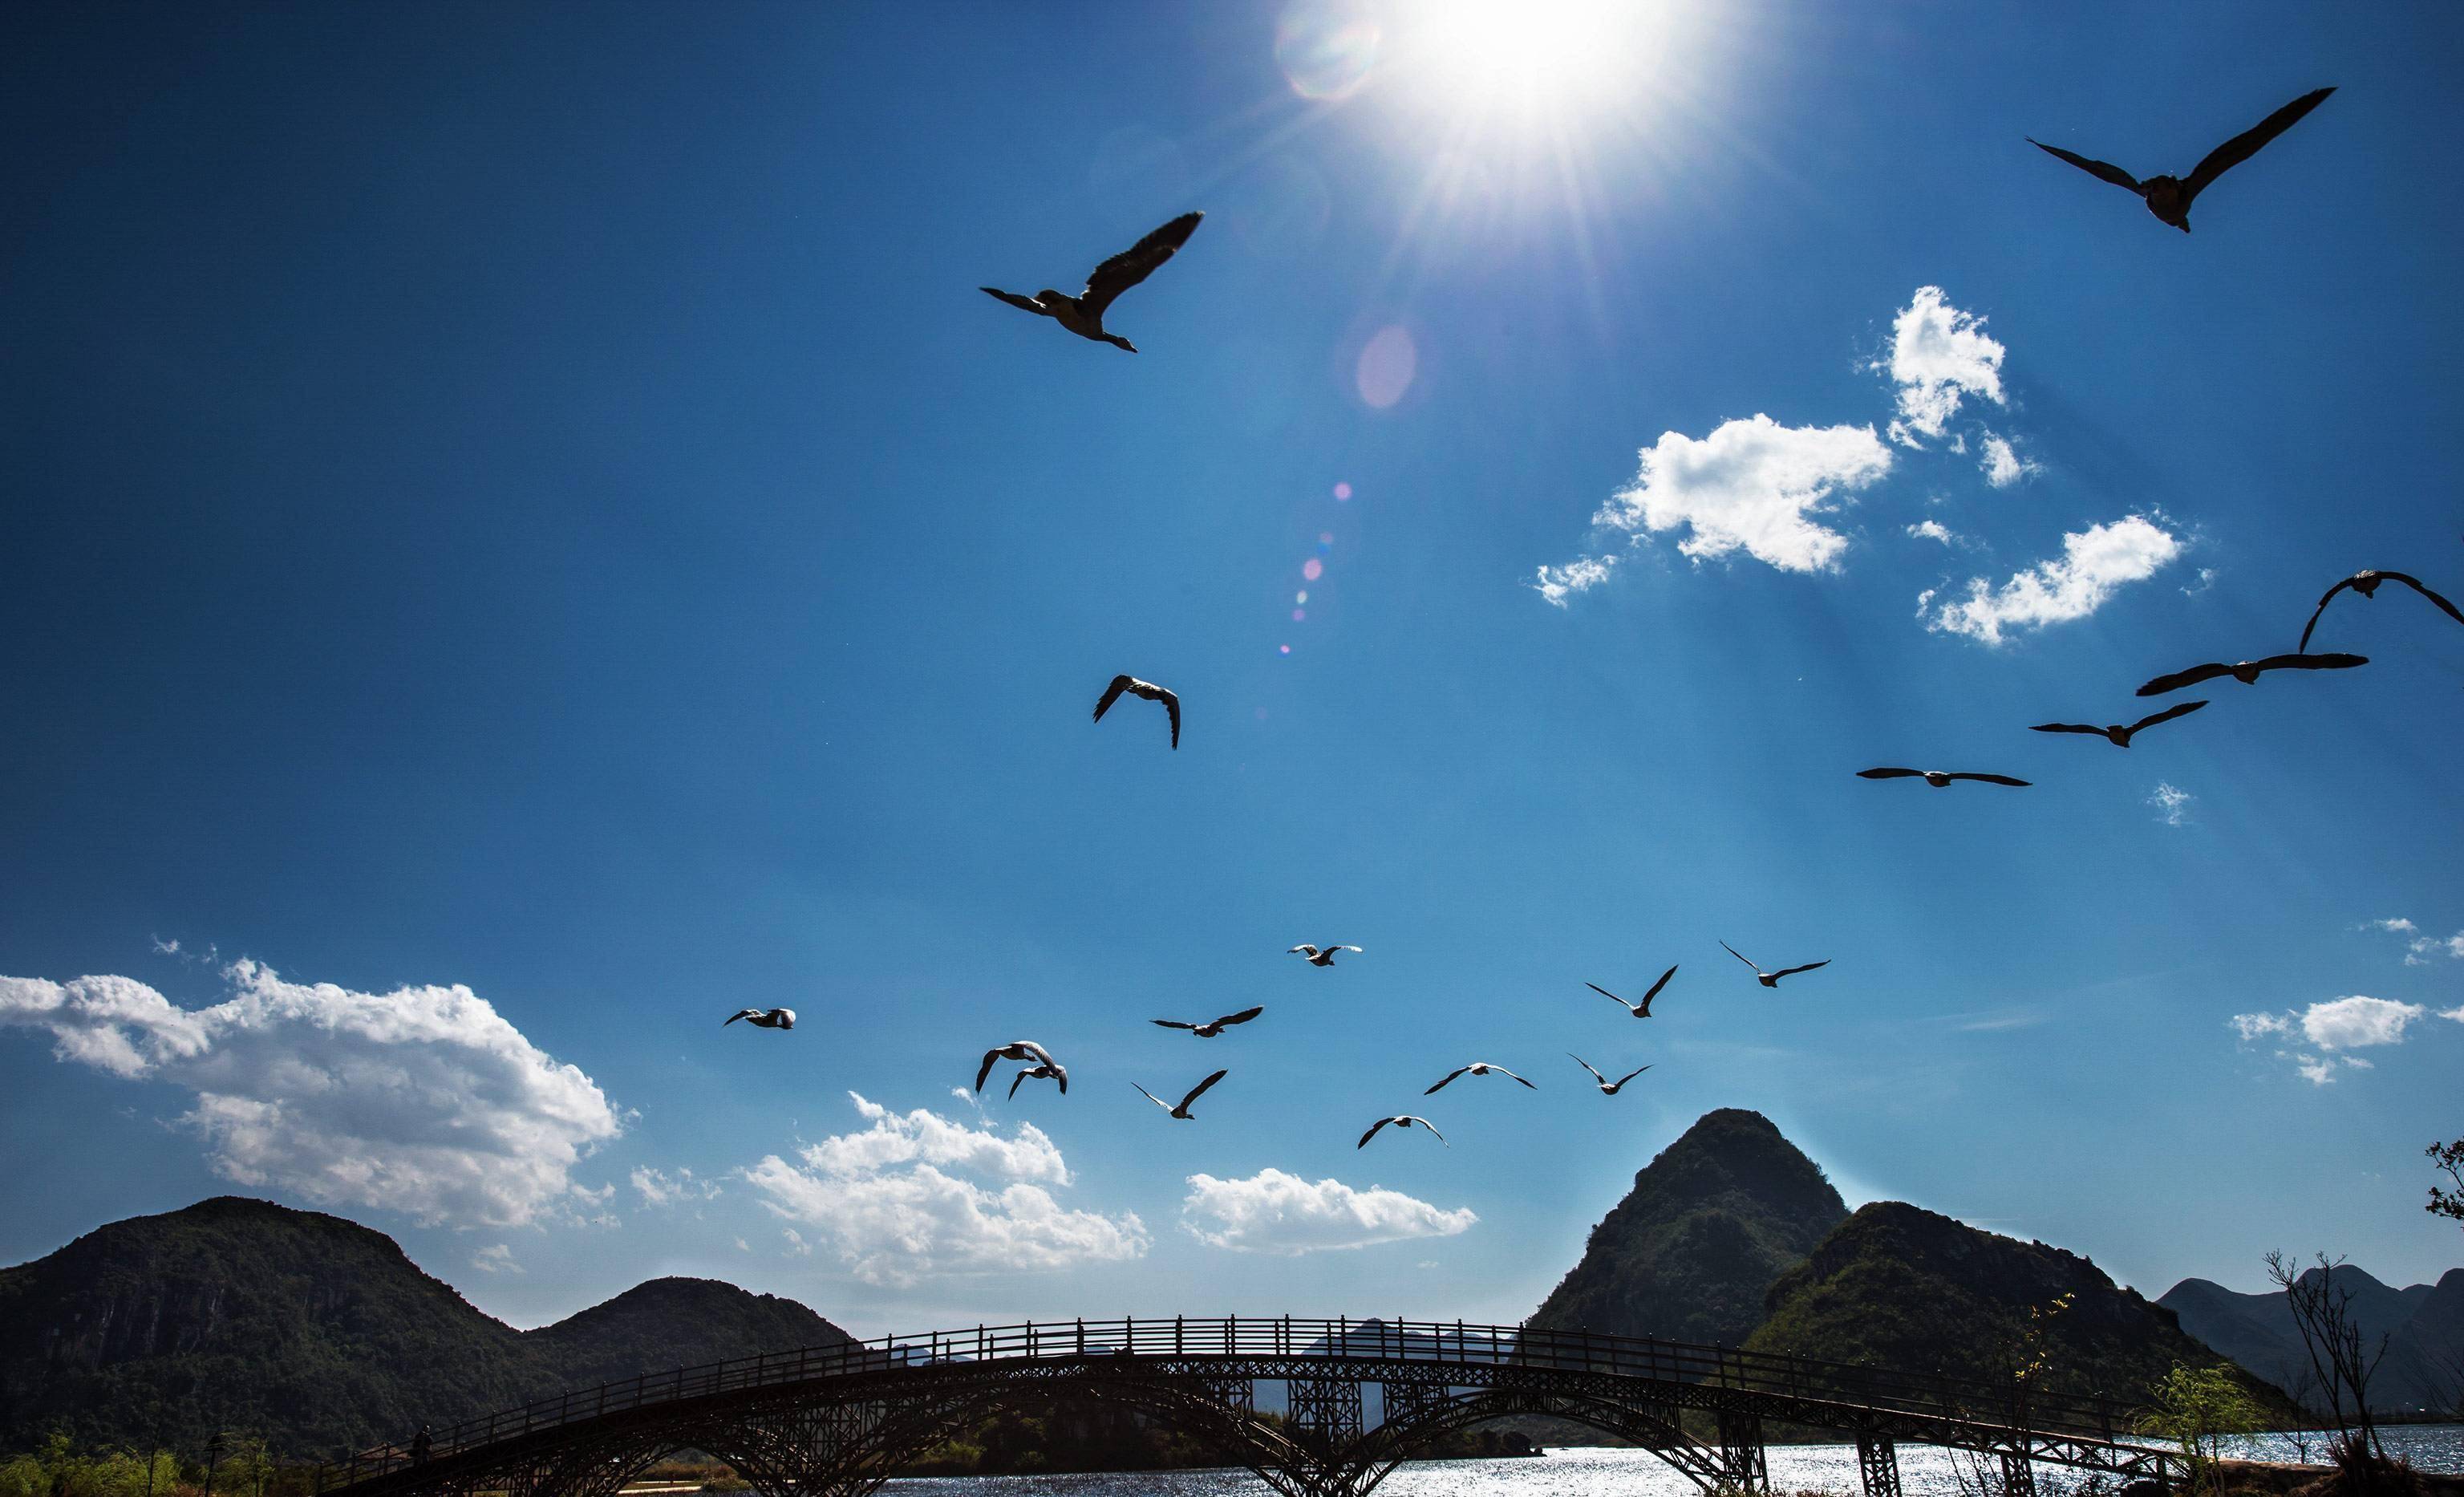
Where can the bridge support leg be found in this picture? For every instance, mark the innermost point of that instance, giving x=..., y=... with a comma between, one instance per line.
x=2018, y=1474
x=1878, y=1462
x=1742, y=1461
x=1326, y=1412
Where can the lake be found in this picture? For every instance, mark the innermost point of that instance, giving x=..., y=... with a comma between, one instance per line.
x=1581, y=1471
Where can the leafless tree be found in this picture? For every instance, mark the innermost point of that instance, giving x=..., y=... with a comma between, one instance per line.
x=2341, y=1357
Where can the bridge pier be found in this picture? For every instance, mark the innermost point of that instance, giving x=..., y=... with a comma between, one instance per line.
x=1326, y=1411
x=2018, y=1474
x=1878, y=1462
x=1743, y=1462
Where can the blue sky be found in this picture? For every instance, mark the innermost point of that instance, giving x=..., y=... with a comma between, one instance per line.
x=533, y=502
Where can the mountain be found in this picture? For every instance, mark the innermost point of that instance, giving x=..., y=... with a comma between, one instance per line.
x=2423, y=1369
x=317, y=1332
x=1690, y=1252
x=1896, y=1286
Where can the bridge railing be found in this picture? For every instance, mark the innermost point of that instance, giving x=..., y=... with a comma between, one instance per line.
x=1922, y=1395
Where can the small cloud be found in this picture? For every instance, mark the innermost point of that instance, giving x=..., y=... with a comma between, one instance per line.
x=658, y=1188
x=1426, y=1263
x=1273, y=1211
x=2456, y=1013
x=2430, y=946
x=1924, y=600
x=1930, y=530
x=1997, y=1021
x=2399, y=925
x=496, y=1258
x=797, y=1247
x=2094, y=563
x=2003, y=466
x=1939, y=354
x=2357, y=1022
x=1557, y=583
x=1753, y=486
x=169, y=948
x=2313, y=1070
x=743, y=1246
x=2173, y=803
x=2205, y=579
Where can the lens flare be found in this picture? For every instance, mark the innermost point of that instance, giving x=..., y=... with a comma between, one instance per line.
x=1284, y=649
x=1312, y=570
x=1388, y=363
x=1325, y=48
x=1301, y=596
x=1299, y=615
x=1325, y=539
x=1342, y=491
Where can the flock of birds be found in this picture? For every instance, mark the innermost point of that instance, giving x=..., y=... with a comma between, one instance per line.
x=2167, y=197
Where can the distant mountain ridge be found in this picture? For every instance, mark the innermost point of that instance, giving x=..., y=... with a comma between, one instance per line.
x=317, y=1332
x=2423, y=1370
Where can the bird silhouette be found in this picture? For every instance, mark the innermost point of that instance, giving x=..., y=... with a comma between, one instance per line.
x=1406, y=1120
x=1148, y=690
x=1084, y=313
x=2168, y=198
x=1608, y=1088
x=2366, y=584
x=2119, y=733
x=1213, y=1026
x=1641, y=1010
x=1936, y=777
x=1772, y=978
x=1022, y=1050
x=774, y=1019
x=1475, y=1069
x=2247, y=672
x=1195, y=1093
x=1039, y=1074
x=1319, y=955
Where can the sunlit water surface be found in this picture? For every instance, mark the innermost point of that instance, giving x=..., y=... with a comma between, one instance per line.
x=1581, y=1471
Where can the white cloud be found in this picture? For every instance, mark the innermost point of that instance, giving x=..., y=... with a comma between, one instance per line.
x=2200, y=584
x=2315, y=1069
x=424, y=1100
x=2252, y=1026
x=2431, y=945
x=2093, y=564
x=2399, y=925
x=1579, y=575
x=743, y=1246
x=2173, y=803
x=886, y=1201
x=496, y=1258
x=161, y=947
x=2348, y=1023
x=1750, y=485
x=797, y=1247
x=1272, y=1212
x=2003, y=466
x=2456, y=1013
x=1930, y=530
x=1939, y=354
x=659, y=1188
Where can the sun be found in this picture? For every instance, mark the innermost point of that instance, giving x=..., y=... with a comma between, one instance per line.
x=1534, y=55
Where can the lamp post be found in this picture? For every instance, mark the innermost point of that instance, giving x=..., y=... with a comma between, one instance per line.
x=213, y=1454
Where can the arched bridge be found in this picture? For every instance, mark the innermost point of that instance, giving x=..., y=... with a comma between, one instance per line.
x=1357, y=1397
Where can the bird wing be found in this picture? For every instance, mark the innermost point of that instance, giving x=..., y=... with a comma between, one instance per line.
x=1502, y=1072
x=1354, y=950
x=2184, y=709
x=1136, y=263
x=1023, y=303
x=2327, y=661
x=1655, y=987
x=1426, y=1123
x=1372, y=1132
x=1042, y=1055
x=1199, y=1090
x=741, y=1013
x=1014, y=1083
x=1889, y=773
x=1605, y=993
x=1811, y=966
x=1172, y=1023
x=1442, y=1080
x=2104, y=169
x=1243, y=1017
x=1630, y=1075
x=1171, y=708
x=1304, y=949
x=1586, y=1066
x=986, y=1068
x=2066, y=727
x=1152, y=1097
x=2324, y=599
x=1740, y=955
x=2415, y=582
x=2181, y=678
x=2245, y=145
x=1990, y=779
x=1112, y=695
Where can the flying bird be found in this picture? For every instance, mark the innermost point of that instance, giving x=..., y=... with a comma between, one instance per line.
x=2119, y=733
x=1084, y=313
x=2248, y=671
x=1213, y=1026
x=1319, y=955
x=1475, y=1069
x=1641, y=1010
x=1406, y=1121
x=1039, y=1074
x=775, y=1019
x=1195, y=1093
x=2366, y=584
x=1608, y=1088
x=1772, y=978
x=1936, y=777
x=2168, y=198
x=1023, y=1050
x=1148, y=690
